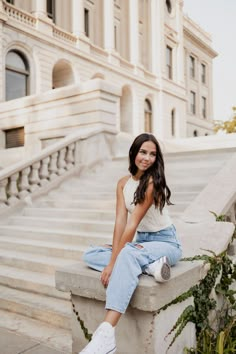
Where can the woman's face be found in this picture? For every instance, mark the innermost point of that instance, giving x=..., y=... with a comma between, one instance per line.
x=146, y=156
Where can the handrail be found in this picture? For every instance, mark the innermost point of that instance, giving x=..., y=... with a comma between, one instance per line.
x=23, y=178
x=19, y=15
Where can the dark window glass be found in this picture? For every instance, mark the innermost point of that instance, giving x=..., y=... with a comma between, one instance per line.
x=17, y=74
x=192, y=67
x=193, y=102
x=147, y=116
x=169, y=62
x=14, y=137
x=51, y=10
x=203, y=73
x=169, y=5
x=86, y=22
x=204, y=107
x=173, y=122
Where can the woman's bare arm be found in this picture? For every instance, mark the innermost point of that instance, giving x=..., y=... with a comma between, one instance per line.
x=121, y=216
x=128, y=230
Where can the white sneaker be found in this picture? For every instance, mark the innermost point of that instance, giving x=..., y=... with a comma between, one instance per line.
x=103, y=340
x=159, y=269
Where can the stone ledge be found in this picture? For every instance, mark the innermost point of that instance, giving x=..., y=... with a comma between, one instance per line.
x=149, y=295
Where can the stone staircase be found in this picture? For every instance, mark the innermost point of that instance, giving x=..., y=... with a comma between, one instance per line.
x=55, y=229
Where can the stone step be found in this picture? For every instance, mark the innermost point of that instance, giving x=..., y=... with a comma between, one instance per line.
x=178, y=207
x=178, y=196
x=187, y=186
x=54, y=337
x=34, y=262
x=91, y=214
x=55, y=235
x=56, y=202
x=47, y=248
x=26, y=280
x=56, y=312
x=83, y=194
x=64, y=224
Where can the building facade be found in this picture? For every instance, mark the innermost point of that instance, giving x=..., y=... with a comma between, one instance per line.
x=159, y=58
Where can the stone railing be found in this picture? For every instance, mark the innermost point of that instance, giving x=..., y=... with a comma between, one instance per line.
x=19, y=15
x=77, y=150
x=64, y=35
x=219, y=197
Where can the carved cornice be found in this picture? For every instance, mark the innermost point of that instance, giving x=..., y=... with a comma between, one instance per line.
x=200, y=43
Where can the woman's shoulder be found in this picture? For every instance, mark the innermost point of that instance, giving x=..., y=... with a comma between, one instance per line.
x=122, y=181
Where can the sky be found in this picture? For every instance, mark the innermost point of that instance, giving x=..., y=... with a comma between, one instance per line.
x=218, y=17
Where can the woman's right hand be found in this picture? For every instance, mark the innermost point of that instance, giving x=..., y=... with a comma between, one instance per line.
x=106, y=273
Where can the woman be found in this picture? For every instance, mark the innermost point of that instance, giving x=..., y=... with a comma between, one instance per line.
x=144, y=195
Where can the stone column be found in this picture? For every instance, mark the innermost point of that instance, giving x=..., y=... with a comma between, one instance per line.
x=3, y=19
x=77, y=17
x=39, y=8
x=133, y=32
x=108, y=21
x=154, y=20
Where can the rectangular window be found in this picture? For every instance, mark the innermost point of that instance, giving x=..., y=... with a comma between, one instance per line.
x=192, y=67
x=14, y=137
x=115, y=37
x=192, y=102
x=51, y=10
x=203, y=73
x=204, y=107
x=86, y=22
x=169, y=69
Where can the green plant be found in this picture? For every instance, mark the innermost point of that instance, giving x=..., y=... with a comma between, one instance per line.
x=87, y=335
x=218, y=335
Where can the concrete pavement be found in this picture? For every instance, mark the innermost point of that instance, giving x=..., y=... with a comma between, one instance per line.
x=14, y=343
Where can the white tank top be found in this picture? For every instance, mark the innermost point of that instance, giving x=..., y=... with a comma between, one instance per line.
x=153, y=220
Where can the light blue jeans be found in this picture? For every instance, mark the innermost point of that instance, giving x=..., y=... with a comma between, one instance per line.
x=131, y=262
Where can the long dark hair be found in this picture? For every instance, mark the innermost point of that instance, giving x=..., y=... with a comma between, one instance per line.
x=161, y=192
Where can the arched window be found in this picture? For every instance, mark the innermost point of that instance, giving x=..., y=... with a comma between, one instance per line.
x=147, y=116
x=17, y=75
x=173, y=122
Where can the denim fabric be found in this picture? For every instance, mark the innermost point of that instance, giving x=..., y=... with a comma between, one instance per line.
x=132, y=261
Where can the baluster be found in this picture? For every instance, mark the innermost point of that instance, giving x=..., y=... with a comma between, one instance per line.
x=24, y=186
x=70, y=159
x=13, y=189
x=43, y=172
x=61, y=161
x=53, y=169
x=34, y=179
x=3, y=193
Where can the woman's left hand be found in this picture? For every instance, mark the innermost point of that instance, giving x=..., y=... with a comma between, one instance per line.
x=106, y=273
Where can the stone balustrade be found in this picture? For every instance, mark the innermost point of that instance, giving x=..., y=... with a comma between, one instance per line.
x=64, y=35
x=19, y=15
x=33, y=175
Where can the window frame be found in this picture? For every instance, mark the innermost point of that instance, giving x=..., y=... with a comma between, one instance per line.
x=86, y=22
x=204, y=107
x=203, y=73
x=169, y=62
x=51, y=13
x=193, y=102
x=13, y=69
x=192, y=67
x=147, y=115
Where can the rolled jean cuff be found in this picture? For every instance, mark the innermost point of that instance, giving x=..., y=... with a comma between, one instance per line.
x=107, y=307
